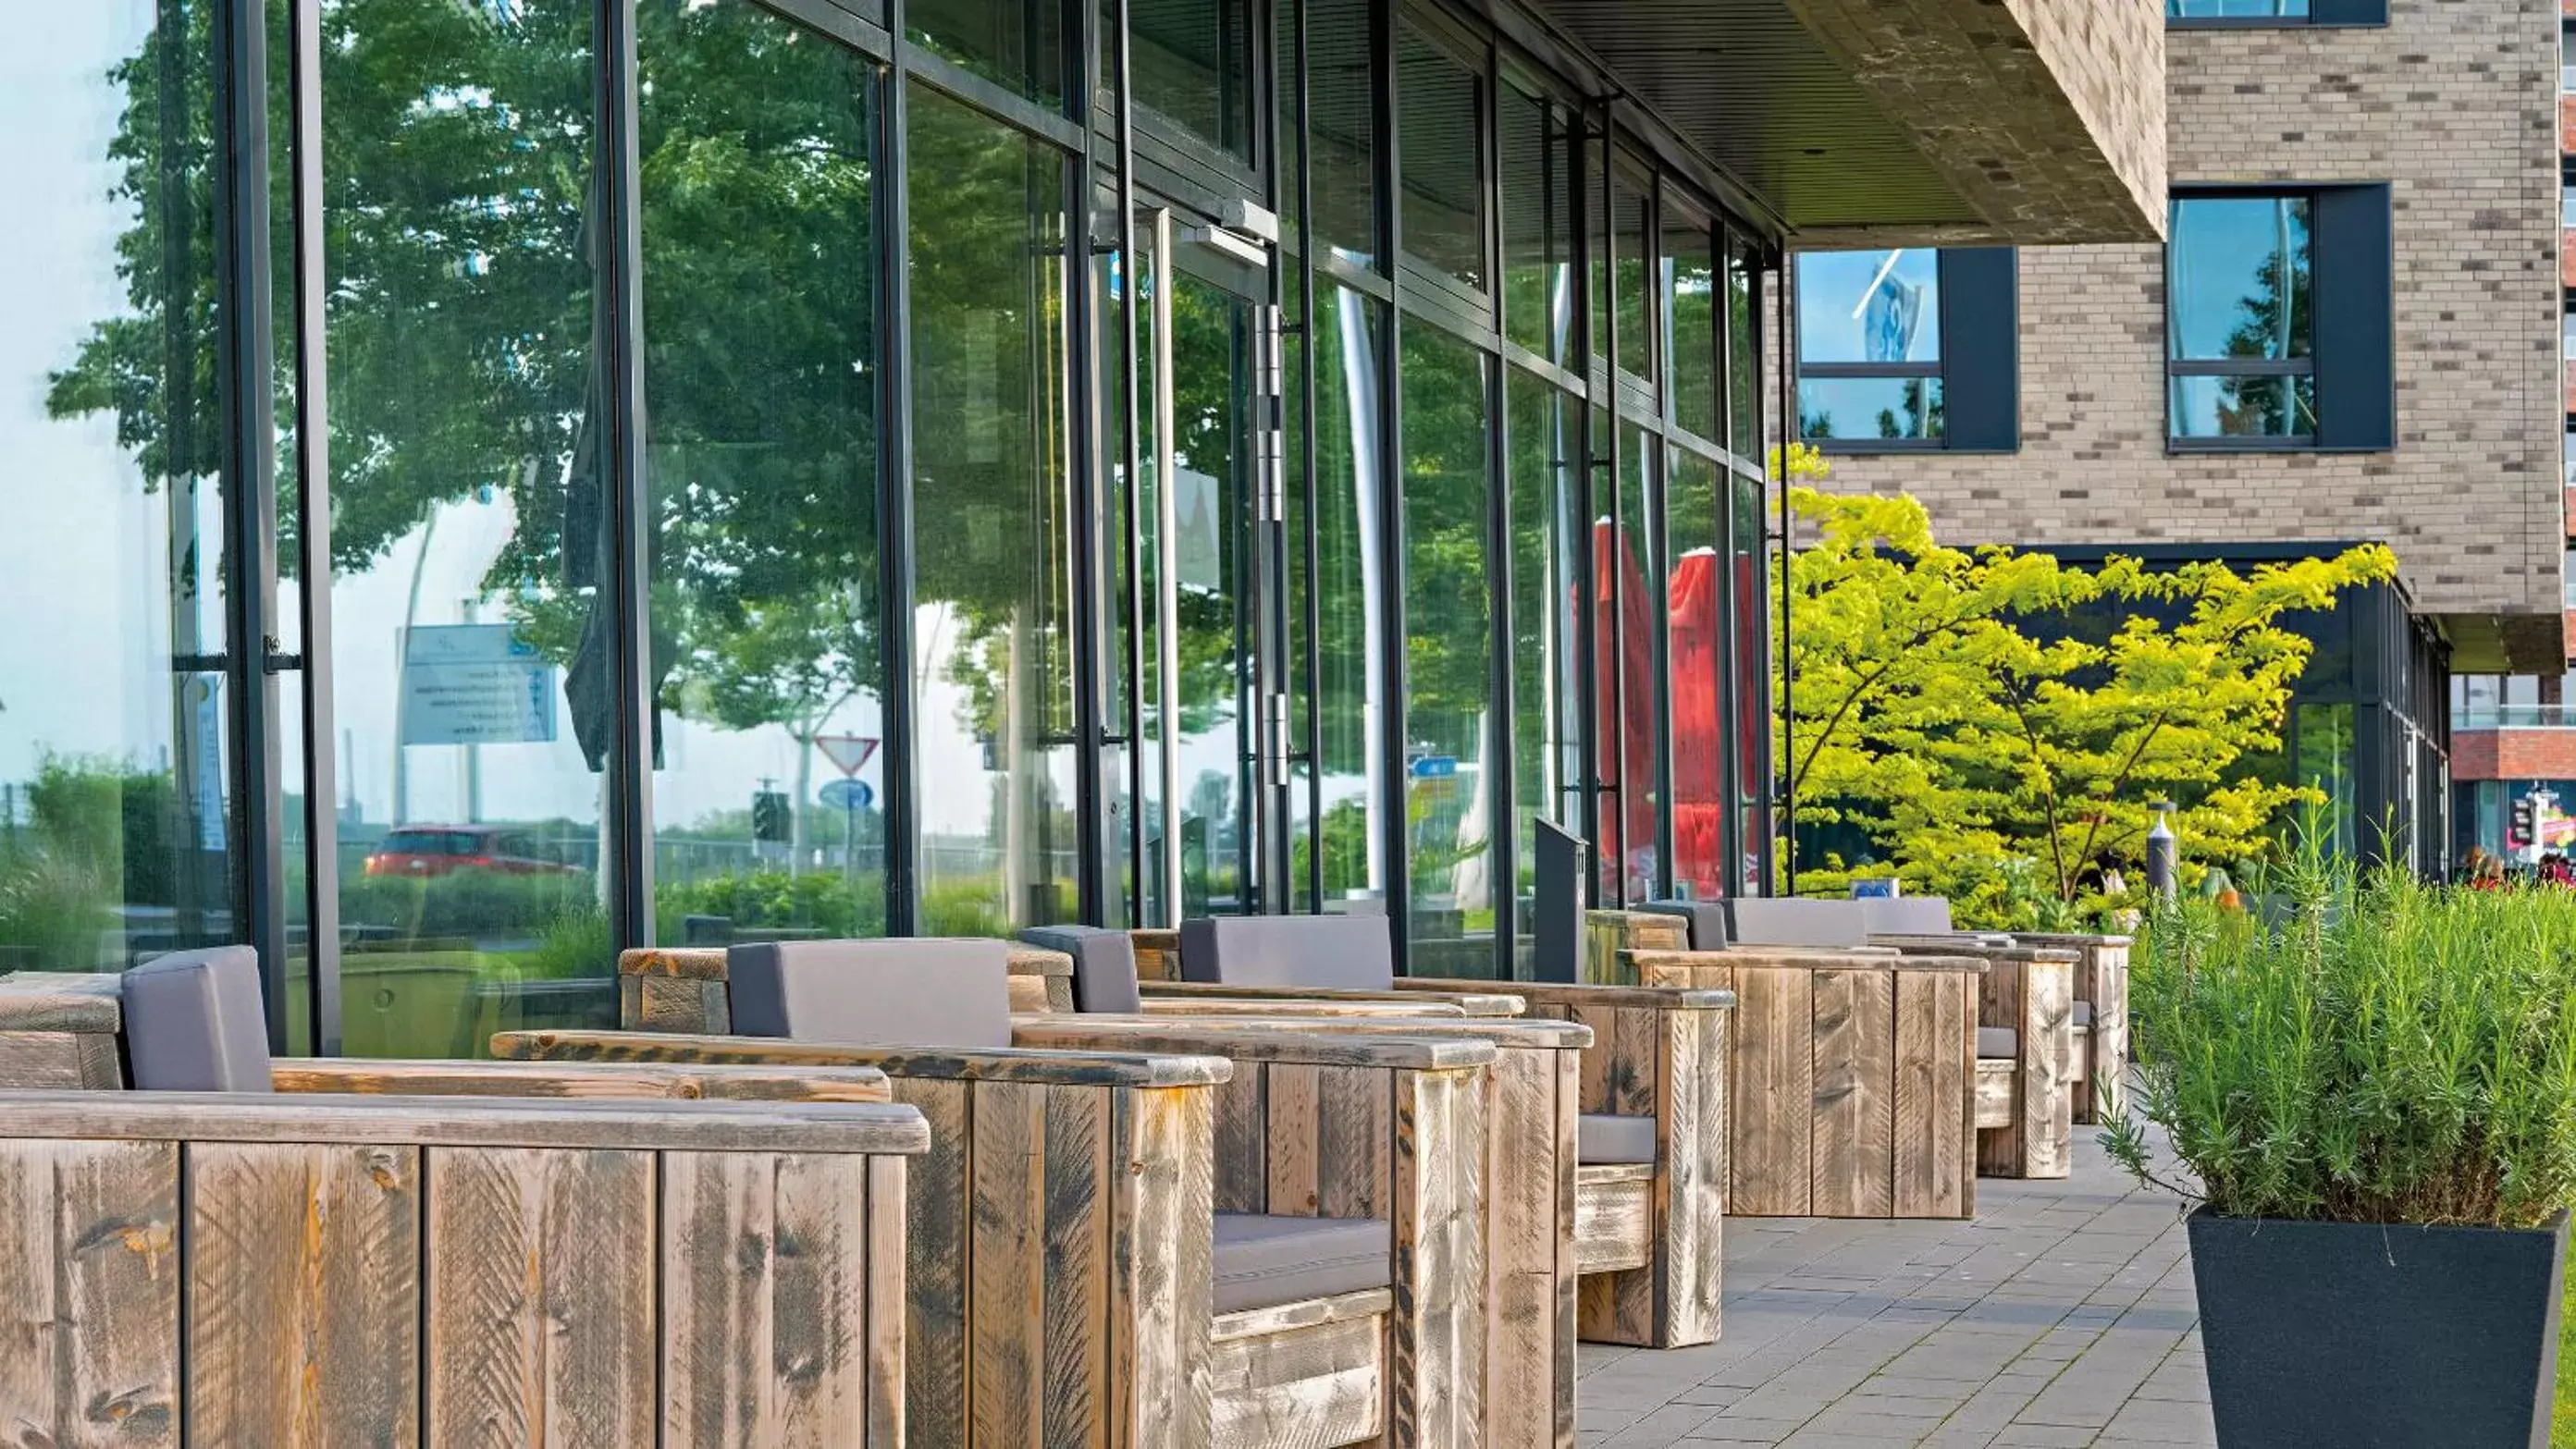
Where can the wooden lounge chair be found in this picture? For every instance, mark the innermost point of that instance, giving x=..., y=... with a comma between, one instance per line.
x=328, y=1270
x=1069, y=1270
x=1854, y=1069
x=1650, y=1111
x=682, y=988
x=1162, y=969
x=2026, y=1052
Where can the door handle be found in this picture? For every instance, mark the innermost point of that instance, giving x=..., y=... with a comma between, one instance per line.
x=1167, y=593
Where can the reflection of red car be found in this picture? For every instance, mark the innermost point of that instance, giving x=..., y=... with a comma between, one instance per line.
x=423, y=851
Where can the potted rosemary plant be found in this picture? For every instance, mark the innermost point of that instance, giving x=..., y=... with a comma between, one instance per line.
x=2372, y=1096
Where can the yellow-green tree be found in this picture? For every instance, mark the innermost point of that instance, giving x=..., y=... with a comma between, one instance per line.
x=1990, y=718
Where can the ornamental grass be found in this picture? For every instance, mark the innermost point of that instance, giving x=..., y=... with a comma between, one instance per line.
x=2362, y=1046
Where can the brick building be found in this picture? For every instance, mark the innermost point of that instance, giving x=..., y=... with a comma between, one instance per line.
x=2350, y=333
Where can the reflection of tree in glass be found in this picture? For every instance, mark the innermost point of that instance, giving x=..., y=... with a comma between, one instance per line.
x=2262, y=406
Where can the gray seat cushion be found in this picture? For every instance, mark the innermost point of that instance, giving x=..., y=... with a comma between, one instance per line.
x=2083, y=1014
x=1998, y=1041
x=1602, y=1138
x=1787, y=921
x=915, y=992
x=1907, y=916
x=1104, y=965
x=194, y=1022
x=1334, y=953
x=1264, y=1261
x=1706, y=920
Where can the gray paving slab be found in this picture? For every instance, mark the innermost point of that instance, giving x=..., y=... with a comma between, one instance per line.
x=2061, y=1315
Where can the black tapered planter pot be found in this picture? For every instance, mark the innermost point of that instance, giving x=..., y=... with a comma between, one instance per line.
x=2348, y=1335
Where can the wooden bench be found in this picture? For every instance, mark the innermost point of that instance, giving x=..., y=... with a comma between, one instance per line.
x=327, y=1270
x=1067, y=1253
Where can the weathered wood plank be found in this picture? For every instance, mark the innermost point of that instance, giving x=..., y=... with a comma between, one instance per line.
x=1852, y=1173
x=1162, y=1269
x=42, y=1060
x=1291, y=1133
x=2046, y=1101
x=1074, y=1386
x=1354, y=1124
x=1306, y=1385
x=886, y=1349
x=938, y=1229
x=1436, y=1208
x=1934, y=1057
x=764, y=1264
x=1691, y=1126
x=1774, y=1093
x=1614, y=1229
x=1529, y=1160
x=1006, y=1322
x=608, y=1080
x=1242, y=1142
x=540, y=1329
x=89, y=1293
x=304, y=1294
x=2001, y=1149
x=1998, y=1094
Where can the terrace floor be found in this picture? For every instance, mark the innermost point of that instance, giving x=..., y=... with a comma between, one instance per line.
x=2063, y=1315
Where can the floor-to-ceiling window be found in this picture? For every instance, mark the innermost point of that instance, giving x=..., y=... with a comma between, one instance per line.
x=759, y=147
x=769, y=538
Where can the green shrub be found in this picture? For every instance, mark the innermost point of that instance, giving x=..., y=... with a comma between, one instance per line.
x=466, y=903
x=826, y=901
x=2386, y=1051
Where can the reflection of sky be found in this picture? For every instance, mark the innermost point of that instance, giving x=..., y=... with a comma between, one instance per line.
x=83, y=560
x=1831, y=286
x=2220, y=245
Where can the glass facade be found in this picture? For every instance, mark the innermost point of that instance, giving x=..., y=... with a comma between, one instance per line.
x=732, y=472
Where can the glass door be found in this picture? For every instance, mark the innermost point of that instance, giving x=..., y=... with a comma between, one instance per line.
x=1209, y=712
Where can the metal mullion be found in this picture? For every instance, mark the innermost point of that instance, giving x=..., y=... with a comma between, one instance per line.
x=895, y=572
x=1656, y=569
x=1313, y=662
x=313, y=536
x=1782, y=769
x=1090, y=665
x=1587, y=612
x=618, y=287
x=1393, y=718
x=1275, y=782
x=247, y=403
x=1008, y=107
x=830, y=17
x=1501, y=742
x=1821, y=370
x=1131, y=543
x=2241, y=366
x=1617, y=744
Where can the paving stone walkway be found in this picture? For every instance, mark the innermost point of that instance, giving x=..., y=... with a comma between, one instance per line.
x=2062, y=1315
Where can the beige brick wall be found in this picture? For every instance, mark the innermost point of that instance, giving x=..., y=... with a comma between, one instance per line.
x=2454, y=104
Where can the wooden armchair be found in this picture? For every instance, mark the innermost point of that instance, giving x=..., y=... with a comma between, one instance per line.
x=1295, y=958
x=2025, y=1054
x=1069, y=1267
x=682, y=988
x=330, y=1270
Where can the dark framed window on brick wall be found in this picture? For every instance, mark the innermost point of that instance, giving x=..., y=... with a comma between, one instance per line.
x=2278, y=320
x=1909, y=349
x=2257, y=14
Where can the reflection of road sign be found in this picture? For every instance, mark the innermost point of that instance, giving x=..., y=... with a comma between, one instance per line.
x=847, y=795
x=847, y=752
x=1433, y=767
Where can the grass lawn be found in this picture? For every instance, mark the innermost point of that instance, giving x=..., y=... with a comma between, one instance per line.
x=2562, y=1423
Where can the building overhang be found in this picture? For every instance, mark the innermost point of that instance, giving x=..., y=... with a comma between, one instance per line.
x=1909, y=122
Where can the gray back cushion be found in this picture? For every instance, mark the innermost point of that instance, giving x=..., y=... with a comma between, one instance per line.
x=194, y=1022
x=1908, y=916
x=1104, y=965
x=1788, y=921
x=1331, y=953
x=910, y=992
x=1707, y=920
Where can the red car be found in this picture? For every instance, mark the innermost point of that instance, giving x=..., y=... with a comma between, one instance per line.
x=425, y=851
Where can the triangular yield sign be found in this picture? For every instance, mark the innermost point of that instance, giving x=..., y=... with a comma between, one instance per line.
x=849, y=752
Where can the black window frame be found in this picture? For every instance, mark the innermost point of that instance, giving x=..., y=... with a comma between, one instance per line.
x=2322, y=15
x=1979, y=307
x=2352, y=328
